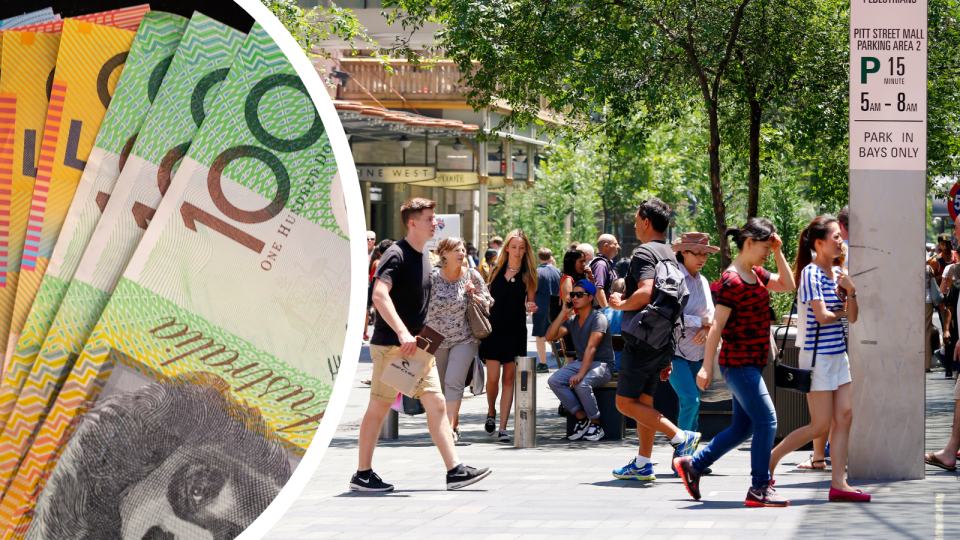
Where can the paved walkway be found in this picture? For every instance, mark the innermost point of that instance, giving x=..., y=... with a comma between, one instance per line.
x=564, y=489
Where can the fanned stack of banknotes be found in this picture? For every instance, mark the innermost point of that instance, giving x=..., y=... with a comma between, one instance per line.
x=174, y=275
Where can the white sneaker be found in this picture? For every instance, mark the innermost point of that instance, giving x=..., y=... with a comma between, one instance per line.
x=594, y=432
x=580, y=429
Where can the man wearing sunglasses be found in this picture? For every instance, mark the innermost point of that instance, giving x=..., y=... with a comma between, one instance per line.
x=574, y=383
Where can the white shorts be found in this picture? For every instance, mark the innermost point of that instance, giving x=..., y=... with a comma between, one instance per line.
x=831, y=372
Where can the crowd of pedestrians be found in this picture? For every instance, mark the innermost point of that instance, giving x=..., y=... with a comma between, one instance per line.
x=674, y=325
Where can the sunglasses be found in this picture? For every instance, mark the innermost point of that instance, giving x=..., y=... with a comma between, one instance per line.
x=578, y=294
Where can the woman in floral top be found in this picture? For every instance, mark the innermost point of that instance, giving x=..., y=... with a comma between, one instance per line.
x=452, y=284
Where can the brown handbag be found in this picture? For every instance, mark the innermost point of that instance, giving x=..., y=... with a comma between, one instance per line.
x=478, y=317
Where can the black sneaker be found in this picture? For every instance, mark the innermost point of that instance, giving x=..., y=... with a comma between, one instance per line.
x=490, y=426
x=765, y=496
x=502, y=436
x=542, y=368
x=580, y=429
x=372, y=482
x=463, y=475
x=594, y=432
x=691, y=479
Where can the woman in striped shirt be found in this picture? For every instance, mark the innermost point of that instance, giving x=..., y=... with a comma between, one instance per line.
x=826, y=295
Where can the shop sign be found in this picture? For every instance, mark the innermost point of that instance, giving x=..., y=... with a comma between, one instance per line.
x=451, y=179
x=394, y=174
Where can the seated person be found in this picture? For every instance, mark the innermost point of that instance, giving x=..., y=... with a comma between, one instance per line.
x=574, y=383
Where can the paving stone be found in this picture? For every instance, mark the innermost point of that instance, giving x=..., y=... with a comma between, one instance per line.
x=564, y=490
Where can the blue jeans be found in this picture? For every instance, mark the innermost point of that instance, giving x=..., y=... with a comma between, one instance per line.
x=753, y=414
x=684, y=383
x=580, y=397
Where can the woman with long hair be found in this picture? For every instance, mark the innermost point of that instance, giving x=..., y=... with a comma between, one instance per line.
x=743, y=317
x=513, y=284
x=451, y=286
x=826, y=296
x=574, y=269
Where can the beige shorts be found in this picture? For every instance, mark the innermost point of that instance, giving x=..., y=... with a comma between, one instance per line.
x=380, y=355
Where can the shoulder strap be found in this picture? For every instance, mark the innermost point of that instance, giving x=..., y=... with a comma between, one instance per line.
x=783, y=343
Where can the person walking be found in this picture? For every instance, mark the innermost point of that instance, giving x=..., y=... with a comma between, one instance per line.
x=548, y=293
x=642, y=366
x=573, y=384
x=371, y=269
x=603, y=271
x=371, y=244
x=587, y=250
x=826, y=295
x=513, y=285
x=743, y=316
x=692, y=250
x=401, y=294
x=488, y=257
x=451, y=287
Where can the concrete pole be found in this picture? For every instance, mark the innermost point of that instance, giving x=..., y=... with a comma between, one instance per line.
x=484, y=178
x=508, y=174
x=365, y=190
x=887, y=222
x=531, y=154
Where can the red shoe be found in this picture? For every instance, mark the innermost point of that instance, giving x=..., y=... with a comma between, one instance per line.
x=848, y=496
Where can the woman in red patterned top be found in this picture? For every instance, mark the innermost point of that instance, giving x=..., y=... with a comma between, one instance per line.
x=743, y=315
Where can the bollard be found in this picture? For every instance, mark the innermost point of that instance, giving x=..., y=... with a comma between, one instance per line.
x=525, y=403
x=390, y=430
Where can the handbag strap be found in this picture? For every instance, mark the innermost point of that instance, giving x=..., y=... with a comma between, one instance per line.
x=816, y=341
x=786, y=330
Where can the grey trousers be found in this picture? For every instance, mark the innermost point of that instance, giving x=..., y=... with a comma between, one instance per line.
x=581, y=396
x=453, y=365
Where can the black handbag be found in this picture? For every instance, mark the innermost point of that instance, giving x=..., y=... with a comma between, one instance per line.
x=791, y=378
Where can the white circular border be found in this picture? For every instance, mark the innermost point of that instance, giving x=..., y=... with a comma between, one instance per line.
x=357, y=229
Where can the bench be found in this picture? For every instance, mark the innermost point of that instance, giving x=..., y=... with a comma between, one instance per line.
x=714, y=417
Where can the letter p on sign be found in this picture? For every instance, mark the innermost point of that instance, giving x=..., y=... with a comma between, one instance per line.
x=868, y=64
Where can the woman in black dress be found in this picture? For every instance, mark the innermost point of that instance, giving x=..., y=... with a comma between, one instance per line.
x=513, y=284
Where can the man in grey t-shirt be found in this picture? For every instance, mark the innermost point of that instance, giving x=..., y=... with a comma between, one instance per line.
x=574, y=383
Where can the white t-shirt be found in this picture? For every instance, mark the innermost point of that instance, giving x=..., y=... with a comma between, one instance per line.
x=816, y=285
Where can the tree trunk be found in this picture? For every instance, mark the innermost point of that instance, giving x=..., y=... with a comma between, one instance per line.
x=716, y=189
x=753, y=178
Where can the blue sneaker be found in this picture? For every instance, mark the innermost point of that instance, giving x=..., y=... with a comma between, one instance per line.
x=689, y=445
x=630, y=471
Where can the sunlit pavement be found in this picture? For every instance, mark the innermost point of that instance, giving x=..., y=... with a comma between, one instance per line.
x=565, y=489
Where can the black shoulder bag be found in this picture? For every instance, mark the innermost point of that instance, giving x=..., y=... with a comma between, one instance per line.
x=791, y=378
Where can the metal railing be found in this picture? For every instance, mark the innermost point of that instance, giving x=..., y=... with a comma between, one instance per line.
x=439, y=83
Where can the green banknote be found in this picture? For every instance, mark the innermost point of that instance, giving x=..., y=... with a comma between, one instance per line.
x=66, y=312
x=225, y=329
x=144, y=69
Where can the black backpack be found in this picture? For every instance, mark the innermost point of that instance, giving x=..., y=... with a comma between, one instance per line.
x=661, y=321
